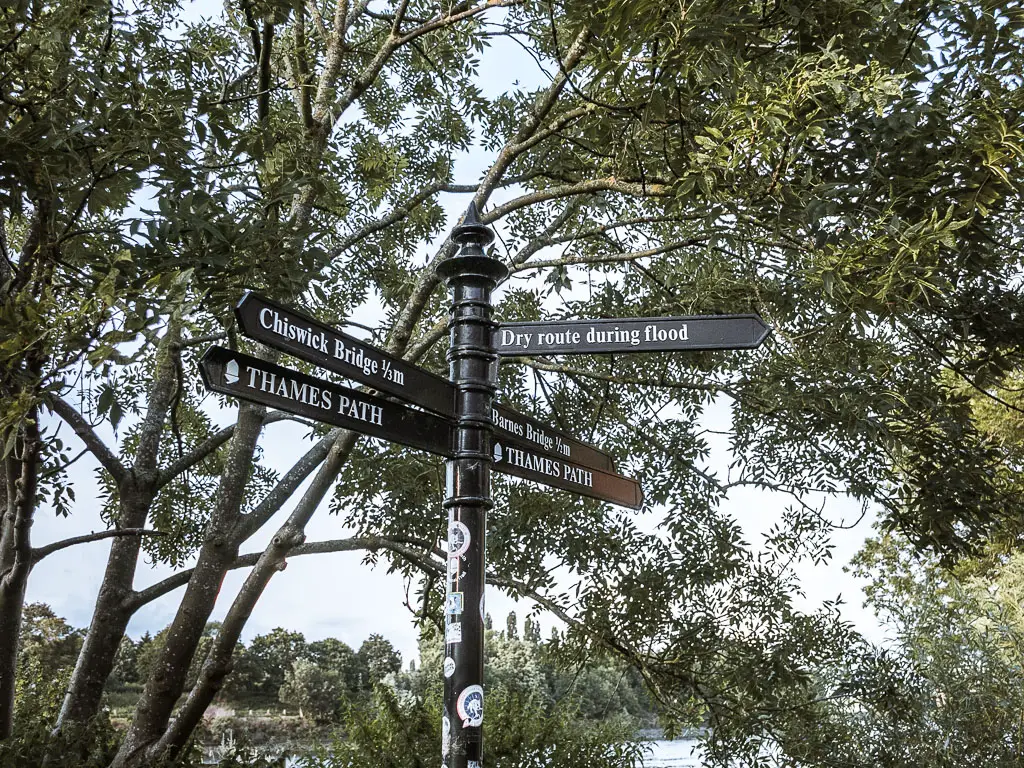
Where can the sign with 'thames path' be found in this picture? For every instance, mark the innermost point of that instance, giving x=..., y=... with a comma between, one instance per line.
x=518, y=458
x=248, y=378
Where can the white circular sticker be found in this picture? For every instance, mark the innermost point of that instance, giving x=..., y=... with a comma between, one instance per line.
x=458, y=538
x=449, y=667
x=470, y=706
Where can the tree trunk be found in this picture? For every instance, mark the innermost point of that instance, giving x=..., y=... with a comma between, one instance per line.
x=218, y=661
x=137, y=490
x=218, y=552
x=21, y=478
x=109, y=619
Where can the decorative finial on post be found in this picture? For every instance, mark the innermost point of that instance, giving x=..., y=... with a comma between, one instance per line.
x=471, y=236
x=470, y=230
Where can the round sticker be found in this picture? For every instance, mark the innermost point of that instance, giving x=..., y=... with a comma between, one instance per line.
x=458, y=538
x=470, y=706
x=449, y=666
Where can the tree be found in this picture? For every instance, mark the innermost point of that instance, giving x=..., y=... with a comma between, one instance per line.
x=314, y=690
x=511, y=627
x=401, y=725
x=942, y=691
x=850, y=173
x=376, y=659
x=126, y=664
x=270, y=656
x=47, y=640
x=333, y=655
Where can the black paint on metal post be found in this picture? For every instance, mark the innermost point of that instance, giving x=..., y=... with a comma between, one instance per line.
x=471, y=276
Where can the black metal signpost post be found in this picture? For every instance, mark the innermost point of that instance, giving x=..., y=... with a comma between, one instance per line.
x=471, y=276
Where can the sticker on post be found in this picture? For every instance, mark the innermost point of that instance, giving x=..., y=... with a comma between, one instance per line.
x=472, y=764
x=453, y=568
x=231, y=372
x=483, y=617
x=453, y=633
x=453, y=603
x=458, y=538
x=449, y=666
x=470, y=706
x=446, y=730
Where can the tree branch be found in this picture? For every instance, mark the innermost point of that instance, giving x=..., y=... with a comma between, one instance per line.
x=589, y=186
x=369, y=543
x=200, y=452
x=286, y=486
x=88, y=435
x=608, y=258
x=40, y=552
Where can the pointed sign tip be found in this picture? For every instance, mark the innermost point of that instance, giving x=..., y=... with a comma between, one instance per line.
x=761, y=330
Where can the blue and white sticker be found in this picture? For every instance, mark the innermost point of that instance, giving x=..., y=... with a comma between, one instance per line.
x=449, y=666
x=470, y=706
x=453, y=603
x=472, y=764
x=458, y=538
x=453, y=633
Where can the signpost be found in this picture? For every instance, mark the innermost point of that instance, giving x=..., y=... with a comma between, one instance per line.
x=519, y=458
x=471, y=276
x=308, y=339
x=635, y=334
x=511, y=425
x=461, y=422
x=248, y=378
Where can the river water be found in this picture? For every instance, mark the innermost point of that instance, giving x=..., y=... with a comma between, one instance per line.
x=682, y=753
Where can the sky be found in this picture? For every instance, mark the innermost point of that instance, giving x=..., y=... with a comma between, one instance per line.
x=339, y=595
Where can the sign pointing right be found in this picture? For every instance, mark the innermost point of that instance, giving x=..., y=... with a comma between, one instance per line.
x=633, y=334
x=513, y=456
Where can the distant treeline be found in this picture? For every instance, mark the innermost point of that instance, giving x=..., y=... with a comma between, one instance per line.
x=281, y=672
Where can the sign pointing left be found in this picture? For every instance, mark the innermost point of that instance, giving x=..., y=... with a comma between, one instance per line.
x=248, y=378
x=308, y=339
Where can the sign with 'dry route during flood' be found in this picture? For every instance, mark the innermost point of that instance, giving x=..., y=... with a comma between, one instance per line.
x=637, y=334
x=308, y=339
x=521, y=459
x=248, y=378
